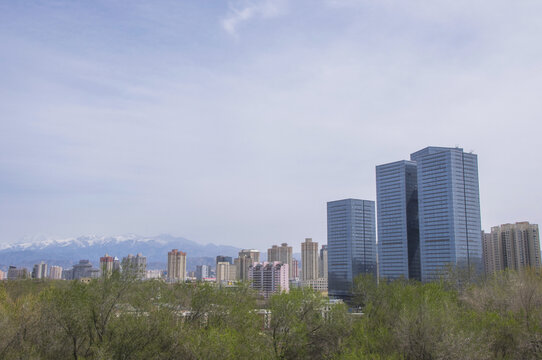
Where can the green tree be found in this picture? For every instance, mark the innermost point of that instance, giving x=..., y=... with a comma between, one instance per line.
x=305, y=326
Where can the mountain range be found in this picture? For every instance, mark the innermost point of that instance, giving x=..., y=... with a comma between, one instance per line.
x=66, y=252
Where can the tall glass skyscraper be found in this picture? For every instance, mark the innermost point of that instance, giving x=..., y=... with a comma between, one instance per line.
x=351, y=243
x=449, y=210
x=397, y=214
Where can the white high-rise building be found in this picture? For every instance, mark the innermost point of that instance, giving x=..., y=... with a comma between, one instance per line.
x=39, y=271
x=55, y=273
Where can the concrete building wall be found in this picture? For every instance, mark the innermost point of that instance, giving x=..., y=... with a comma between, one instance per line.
x=309, y=259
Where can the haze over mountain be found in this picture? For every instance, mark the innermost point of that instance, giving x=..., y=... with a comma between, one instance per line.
x=68, y=251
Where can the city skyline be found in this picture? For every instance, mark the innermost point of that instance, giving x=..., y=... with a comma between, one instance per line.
x=218, y=121
x=351, y=234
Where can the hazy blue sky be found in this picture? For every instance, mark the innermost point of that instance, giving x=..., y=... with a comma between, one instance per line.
x=234, y=122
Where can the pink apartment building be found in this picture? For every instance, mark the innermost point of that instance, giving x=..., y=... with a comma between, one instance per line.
x=269, y=278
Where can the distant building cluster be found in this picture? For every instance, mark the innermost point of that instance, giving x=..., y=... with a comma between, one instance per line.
x=428, y=215
x=83, y=269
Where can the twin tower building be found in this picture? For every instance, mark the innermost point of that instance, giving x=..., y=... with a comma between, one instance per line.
x=428, y=212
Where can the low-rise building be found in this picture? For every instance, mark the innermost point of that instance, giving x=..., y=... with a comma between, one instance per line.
x=319, y=284
x=154, y=274
x=15, y=273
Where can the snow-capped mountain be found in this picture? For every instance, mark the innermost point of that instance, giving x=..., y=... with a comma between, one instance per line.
x=66, y=252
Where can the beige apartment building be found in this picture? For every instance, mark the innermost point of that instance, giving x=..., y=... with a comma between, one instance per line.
x=283, y=254
x=246, y=258
x=309, y=260
x=511, y=246
x=225, y=272
x=176, y=265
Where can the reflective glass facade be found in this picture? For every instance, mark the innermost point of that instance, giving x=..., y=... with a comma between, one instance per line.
x=398, y=231
x=351, y=243
x=449, y=210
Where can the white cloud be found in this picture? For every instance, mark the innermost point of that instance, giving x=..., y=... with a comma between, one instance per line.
x=242, y=11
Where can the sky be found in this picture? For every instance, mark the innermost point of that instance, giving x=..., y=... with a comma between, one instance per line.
x=234, y=122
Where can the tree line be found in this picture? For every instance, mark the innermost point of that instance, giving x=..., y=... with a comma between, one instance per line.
x=118, y=317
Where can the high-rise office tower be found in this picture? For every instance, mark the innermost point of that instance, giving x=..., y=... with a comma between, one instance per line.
x=449, y=210
x=55, y=273
x=134, y=265
x=309, y=260
x=176, y=265
x=39, y=271
x=246, y=258
x=322, y=263
x=283, y=254
x=351, y=243
x=397, y=214
x=512, y=246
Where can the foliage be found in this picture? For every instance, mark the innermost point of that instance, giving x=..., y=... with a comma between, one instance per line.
x=496, y=318
x=304, y=327
x=117, y=317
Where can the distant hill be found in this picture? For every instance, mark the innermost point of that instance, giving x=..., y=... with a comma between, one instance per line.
x=66, y=252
